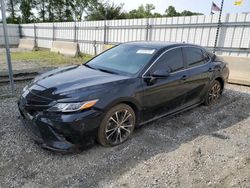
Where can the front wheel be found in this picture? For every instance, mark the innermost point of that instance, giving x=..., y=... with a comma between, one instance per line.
x=117, y=125
x=214, y=93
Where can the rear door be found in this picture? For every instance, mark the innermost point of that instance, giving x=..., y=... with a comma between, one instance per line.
x=199, y=70
x=164, y=95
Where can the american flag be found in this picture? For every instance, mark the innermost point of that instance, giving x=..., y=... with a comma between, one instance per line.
x=214, y=7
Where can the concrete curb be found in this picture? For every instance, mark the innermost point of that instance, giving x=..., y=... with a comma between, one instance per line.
x=65, y=48
x=239, y=82
x=239, y=68
x=27, y=44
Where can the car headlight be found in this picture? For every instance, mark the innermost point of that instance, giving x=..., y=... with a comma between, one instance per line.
x=72, y=107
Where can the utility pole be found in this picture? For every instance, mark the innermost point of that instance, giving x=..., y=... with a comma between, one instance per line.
x=218, y=26
x=105, y=28
x=6, y=40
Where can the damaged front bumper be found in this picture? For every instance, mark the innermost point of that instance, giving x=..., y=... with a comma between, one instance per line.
x=63, y=132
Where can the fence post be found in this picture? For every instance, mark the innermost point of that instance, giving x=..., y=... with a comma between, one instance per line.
x=35, y=34
x=107, y=34
x=94, y=45
x=53, y=32
x=20, y=30
x=147, y=30
x=105, y=30
x=75, y=32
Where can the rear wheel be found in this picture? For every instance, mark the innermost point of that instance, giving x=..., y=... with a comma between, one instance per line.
x=214, y=92
x=117, y=125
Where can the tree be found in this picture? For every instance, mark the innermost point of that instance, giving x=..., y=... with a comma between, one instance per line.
x=105, y=11
x=12, y=6
x=189, y=13
x=142, y=11
x=157, y=15
x=41, y=8
x=59, y=10
x=81, y=6
x=70, y=10
x=171, y=12
x=50, y=12
x=25, y=8
x=148, y=9
x=135, y=14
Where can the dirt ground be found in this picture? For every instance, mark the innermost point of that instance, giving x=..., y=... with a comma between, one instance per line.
x=203, y=147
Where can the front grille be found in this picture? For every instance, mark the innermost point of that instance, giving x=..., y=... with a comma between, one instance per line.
x=33, y=103
x=35, y=100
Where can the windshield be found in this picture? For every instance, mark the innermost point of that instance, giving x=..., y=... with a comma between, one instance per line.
x=127, y=59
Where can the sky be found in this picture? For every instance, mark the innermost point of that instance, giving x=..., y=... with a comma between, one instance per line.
x=202, y=6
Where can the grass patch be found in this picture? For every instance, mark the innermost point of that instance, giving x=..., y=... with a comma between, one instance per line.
x=47, y=58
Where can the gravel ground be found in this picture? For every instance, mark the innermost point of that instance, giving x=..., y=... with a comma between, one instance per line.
x=203, y=147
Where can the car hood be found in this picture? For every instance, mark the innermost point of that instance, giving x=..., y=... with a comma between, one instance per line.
x=74, y=82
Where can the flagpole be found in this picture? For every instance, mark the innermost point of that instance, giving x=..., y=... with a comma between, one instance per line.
x=211, y=9
x=218, y=26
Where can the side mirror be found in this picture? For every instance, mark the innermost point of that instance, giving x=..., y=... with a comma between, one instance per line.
x=160, y=73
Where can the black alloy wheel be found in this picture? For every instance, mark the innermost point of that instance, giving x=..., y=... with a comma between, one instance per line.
x=214, y=93
x=117, y=125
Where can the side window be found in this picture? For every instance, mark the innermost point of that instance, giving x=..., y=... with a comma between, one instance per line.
x=171, y=59
x=195, y=56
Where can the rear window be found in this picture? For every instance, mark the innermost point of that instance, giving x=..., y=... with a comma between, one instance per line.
x=195, y=56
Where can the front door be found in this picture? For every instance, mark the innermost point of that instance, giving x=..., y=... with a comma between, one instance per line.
x=163, y=95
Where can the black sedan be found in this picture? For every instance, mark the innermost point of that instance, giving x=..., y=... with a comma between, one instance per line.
x=69, y=108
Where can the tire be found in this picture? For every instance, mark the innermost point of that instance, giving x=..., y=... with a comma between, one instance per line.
x=117, y=125
x=214, y=93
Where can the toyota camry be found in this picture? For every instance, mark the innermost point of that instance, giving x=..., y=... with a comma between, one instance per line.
x=105, y=99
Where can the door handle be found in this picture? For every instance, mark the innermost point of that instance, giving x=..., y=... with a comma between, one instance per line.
x=210, y=70
x=184, y=77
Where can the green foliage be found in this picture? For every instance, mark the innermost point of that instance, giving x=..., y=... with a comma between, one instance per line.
x=105, y=11
x=12, y=8
x=171, y=12
x=142, y=12
x=80, y=7
x=189, y=13
x=28, y=11
x=41, y=8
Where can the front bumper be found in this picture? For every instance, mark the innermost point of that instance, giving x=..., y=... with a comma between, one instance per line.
x=63, y=132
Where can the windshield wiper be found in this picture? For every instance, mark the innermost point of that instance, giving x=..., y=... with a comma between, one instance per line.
x=108, y=71
x=100, y=69
x=89, y=66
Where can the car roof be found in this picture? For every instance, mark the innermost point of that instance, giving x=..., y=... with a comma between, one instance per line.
x=158, y=45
